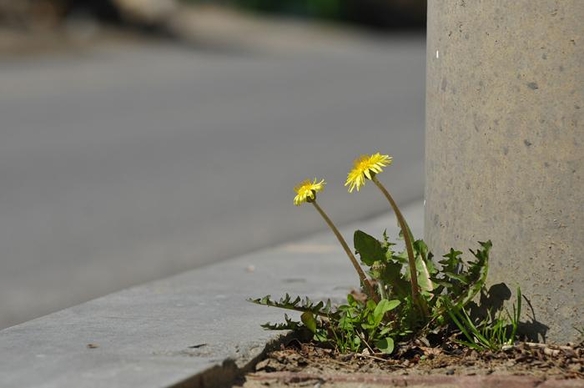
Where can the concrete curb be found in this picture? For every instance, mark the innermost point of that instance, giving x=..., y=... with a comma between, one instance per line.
x=194, y=329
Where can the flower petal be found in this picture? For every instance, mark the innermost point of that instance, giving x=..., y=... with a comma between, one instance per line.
x=366, y=166
x=306, y=191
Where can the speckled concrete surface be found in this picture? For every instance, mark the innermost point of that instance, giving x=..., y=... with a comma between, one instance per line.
x=504, y=157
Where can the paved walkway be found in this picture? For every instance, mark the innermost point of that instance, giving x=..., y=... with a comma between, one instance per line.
x=195, y=326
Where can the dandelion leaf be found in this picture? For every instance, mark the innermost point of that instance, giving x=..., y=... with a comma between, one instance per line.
x=368, y=247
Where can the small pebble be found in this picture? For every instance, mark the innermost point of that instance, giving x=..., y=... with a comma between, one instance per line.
x=507, y=348
x=551, y=352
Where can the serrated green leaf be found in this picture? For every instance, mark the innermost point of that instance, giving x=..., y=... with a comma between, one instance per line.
x=298, y=304
x=288, y=325
x=451, y=262
x=478, y=271
x=368, y=247
x=462, y=278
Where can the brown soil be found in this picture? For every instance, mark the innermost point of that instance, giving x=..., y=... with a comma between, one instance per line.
x=522, y=365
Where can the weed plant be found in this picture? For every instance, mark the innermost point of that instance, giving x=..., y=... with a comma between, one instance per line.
x=403, y=294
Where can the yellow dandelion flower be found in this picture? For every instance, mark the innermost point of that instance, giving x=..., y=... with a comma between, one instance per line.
x=306, y=191
x=366, y=166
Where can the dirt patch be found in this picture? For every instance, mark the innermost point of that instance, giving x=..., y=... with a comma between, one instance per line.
x=522, y=365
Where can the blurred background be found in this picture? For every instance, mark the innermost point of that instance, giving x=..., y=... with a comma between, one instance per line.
x=369, y=13
x=142, y=138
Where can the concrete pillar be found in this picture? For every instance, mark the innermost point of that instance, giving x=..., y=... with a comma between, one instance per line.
x=505, y=146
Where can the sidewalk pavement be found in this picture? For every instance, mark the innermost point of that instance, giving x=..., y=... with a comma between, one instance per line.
x=195, y=328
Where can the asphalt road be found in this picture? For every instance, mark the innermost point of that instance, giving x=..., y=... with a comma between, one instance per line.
x=127, y=163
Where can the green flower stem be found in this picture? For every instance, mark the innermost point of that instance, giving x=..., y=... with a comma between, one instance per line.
x=362, y=276
x=409, y=246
